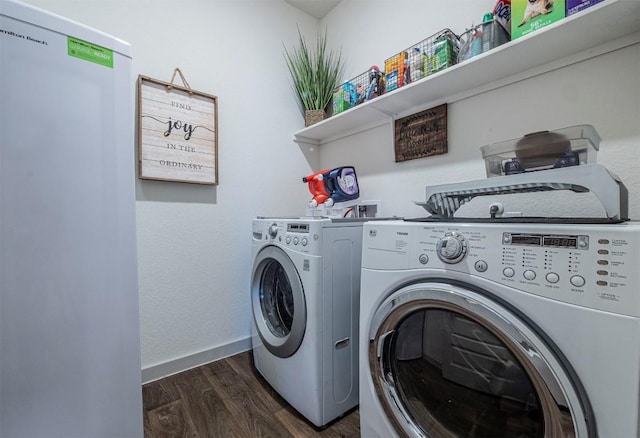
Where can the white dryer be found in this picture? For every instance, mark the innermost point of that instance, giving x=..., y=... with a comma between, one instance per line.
x=500, y=329
x=305, y=298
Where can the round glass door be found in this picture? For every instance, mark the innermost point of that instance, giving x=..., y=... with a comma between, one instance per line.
x=276, y=299
x=279, y=309
x=448, y=362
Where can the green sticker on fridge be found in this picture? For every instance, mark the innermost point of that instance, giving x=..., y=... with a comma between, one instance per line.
x=89, y=52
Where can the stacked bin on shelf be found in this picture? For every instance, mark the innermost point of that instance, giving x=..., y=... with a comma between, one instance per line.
x=429, y=56
x=482, y=38
x=363, y=87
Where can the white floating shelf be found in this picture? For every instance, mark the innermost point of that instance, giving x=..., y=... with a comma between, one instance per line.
x=596, y=26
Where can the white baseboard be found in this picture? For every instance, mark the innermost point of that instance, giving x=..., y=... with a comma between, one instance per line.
x=176, y=366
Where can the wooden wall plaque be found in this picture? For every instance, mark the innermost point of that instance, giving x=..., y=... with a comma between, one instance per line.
x=177, y=133
x=421, y=134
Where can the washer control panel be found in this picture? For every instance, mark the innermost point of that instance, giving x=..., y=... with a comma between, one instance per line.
x=590, y=265
x=552, y=245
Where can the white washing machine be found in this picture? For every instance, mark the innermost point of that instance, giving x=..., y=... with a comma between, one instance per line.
x=305, y=298
x=500, y=329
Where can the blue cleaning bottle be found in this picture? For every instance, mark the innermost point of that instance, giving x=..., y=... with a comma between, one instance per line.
x=476, y=41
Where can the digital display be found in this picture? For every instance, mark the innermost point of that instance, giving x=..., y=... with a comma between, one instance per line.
x=561, y=241
x=526, y=239
x=556, y=241
x=298, y=228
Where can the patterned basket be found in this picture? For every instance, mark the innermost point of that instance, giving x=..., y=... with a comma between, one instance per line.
x=312, y=117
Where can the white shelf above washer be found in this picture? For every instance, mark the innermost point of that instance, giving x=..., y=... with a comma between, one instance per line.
x=596, y=26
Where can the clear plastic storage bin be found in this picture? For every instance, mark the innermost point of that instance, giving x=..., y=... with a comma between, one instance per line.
x=481, y=39
x=543, y=150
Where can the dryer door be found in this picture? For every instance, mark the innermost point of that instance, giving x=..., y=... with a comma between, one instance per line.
x=277, y=297
x=447, y=362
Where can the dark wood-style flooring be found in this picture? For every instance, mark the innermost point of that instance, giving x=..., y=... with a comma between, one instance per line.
x=228, y=398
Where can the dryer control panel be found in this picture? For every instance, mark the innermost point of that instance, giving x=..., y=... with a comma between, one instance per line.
x=301, y=236
x=594, y=266
x=309, y=236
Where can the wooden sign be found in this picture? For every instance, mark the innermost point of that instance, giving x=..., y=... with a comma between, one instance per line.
x=177, y=133
x=422, y=134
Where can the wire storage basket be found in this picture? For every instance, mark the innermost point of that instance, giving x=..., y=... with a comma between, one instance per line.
x=429, y=56
x=362, y=88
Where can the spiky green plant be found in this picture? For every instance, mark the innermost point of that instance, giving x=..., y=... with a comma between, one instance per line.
x=315, y=73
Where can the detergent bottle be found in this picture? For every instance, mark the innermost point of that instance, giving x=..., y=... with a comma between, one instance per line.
x=341, y=184
x=316, y=184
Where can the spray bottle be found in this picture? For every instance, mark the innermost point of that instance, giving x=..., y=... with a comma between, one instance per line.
x=417, y=64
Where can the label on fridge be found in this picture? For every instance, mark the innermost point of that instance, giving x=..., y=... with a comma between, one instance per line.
x=89, y=52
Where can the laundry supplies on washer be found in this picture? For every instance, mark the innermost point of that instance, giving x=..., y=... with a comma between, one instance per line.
x=330, y=186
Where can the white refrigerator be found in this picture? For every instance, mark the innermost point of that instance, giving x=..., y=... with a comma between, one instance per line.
x=69, y=319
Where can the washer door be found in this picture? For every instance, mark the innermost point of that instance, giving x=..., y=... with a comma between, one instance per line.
x=448, y=362
x=278, y=302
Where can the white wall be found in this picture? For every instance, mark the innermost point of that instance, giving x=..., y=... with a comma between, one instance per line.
x=603, y=91
x=194, y=241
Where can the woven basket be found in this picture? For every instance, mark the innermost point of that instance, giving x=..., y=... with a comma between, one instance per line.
x=314, y=116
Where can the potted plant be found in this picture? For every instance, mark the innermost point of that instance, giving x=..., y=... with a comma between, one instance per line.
x=315, y=73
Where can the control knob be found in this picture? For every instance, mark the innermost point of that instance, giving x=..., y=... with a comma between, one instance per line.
x=452, y=247
x=273, y=231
